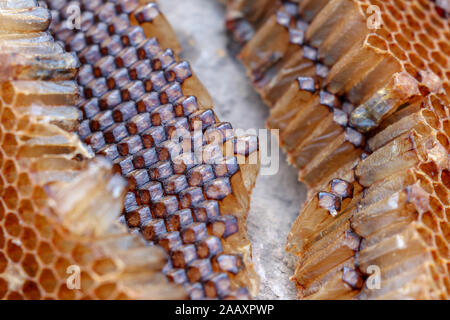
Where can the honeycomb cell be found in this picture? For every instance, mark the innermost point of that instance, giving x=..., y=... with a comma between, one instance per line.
x=10, y=171
x=48, y=281
x=45, y=253
x=14, y=251
x=24, y=185
x=12, y=225
x=30, y=265
x=29, y=238
x=31, y=290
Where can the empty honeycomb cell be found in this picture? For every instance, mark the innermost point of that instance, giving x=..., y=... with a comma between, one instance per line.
x=445, y=48
x=29, y=238
x=11, y=197
x=26, y=210
x=439, y=58
x=431, y=30
x=86, y=281
x=437, y=207
x=421, y=51
x=105, y=291
x=443, y=140
x=104, y=266
x=431, y=169
x=442, y=193
x=9, y=144
x=61, y=266
x=46, y=253
x=24, y=185
x=445, y=229
x=442, y=246
x=12, y=225
x=43, y=226
x=8, y=120
x=31, y=290
x=445, y=178
x=47, y=280
x=30, y=265
x=402, y=41
x=416, y=61
x=426, y=41
x=14, y=251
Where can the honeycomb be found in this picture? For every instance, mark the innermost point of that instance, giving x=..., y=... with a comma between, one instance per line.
x=359, y=91
x=52, y=245
x=187, y=193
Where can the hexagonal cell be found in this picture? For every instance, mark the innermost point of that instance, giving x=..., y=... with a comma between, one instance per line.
x=43, y=226
x=29, y=238
x=105, y=291
x=45, y=253
x=9, y=171
x=14, y=251
x=26, y=211
x=39, y=196
x=24, y=184
x=86, y=281
x=439, y=58
x=431, y=170
x=12, y=225
x=442, y=246
x=31, y=290
x=30, y=265
x=10, y=144
x=8, y=119
x=104, y=266
x=436, y=206
x=11, y=198
x=442, y=193
x=61, y=266
x=48, y=280
x=426, y=235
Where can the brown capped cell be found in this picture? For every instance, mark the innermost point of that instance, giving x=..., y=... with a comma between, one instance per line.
x=219, y=133
x=218, y=189
x=90, y=55
x=209, y=247
x=342, y=188
x=162, y=114
x=179, y=220
x=183, y=162
x=101, y=121
x=161, y=170
x=145, y=158
x=206, y=211
x=194, y=232
x=132, y=91
x=151, y=229
x=96, y=141
x=104, y=67
x=138, y=216
x=150, y=192
x=223, y=226
x=330, y=202
x=148, y=102
x=204, y=118
x=200, y=175
x=119, y=24
x=137, y=178
x=163, y=60
x=130, y=145
x=191, y=196
x=186, y=106
x=124, y=111
x=149, y=49
x=140, y=70
x=169, y=150
x=133, y=36
x=175, y=184
x=177, y=276
x=109, y=100
x=177, y=128
x=139, y=123
x=170, y=93
x=169, y=240
x=95, y=88
x=182, y=256
x=226, y=167
x=109, y=152
x=165, y=206
x=227, y=263
x=97, y=34
x=199, y=270
x=126, y=57
x=217, y=285
x=90, y=108
x=118, y=79
x=178, y=72
x=153, y=136
x=123, y=165
x=111, y=46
